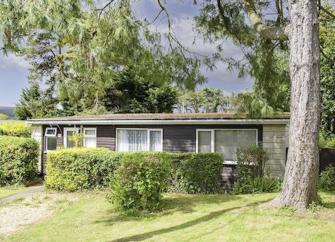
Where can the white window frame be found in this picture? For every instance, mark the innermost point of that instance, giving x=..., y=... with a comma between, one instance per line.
x=46, y=135
x=213, y=140
x=50, y=135
x=90, y=136
x=148, y=137
x=65, y=134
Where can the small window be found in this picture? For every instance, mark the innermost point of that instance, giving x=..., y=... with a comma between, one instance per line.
x=50, y=139
x=69, y=137
x=90, y=137
x=50, y=132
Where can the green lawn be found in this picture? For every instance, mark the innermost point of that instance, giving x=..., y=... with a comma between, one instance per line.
x=185, y=218
x=9, y=190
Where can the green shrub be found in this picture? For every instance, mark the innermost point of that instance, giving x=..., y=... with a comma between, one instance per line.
x=80, y=168
x=18, y=160
x=18, y=129
x=196, y=172
x=327, y=179
x=139, y=182
x=251, y=173
x=326, y=141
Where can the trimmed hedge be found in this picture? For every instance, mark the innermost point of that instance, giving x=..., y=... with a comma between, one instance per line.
x=139, y=182
x=195, y=172
x=82, y=168
x=15, y=129
x=18, y=160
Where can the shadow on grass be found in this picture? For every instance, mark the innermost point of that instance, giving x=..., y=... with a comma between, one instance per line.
x=206, y=218
x=171, y=204
x=203, y=219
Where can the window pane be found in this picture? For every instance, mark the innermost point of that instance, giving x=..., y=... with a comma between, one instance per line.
x=132, y=140
x=90, y=142
x=90, y=132
x=69, y=139
x=51, y=143
x=204, y=141
x=155, y=140
x=50, y=132
x=227, y=141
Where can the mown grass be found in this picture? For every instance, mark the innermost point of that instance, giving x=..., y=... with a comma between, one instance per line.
x=10, y=190
x=185, y=218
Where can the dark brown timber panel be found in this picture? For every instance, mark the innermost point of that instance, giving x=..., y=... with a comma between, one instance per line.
x=176, y=138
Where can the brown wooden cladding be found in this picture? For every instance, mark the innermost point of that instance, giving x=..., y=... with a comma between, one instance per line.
x=176, y=138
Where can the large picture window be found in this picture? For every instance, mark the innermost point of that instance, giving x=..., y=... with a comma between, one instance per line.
x=225, y=141
x=139, y=140
x=90, y=137
x=50, y=139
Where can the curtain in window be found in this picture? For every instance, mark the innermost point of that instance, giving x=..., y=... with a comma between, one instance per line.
x=155, y=140
x=132, y=140
x=227, y=141
x=204, y=141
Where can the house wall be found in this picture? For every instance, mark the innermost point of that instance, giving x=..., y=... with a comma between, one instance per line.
x=275, y=142
x=182, y=138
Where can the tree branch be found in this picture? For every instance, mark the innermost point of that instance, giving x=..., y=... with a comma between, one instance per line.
x=267, y=32
x=327, y=11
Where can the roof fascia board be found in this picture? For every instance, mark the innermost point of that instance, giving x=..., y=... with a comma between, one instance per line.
x=159, y=122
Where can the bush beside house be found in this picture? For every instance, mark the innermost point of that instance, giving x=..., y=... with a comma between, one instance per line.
x=15, y=129
x=18, y=160
x=252, y=176
x=327, y=179
x=81, y=168
x=139, y=182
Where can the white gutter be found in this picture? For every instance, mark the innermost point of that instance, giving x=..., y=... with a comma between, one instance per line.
x=159, y=122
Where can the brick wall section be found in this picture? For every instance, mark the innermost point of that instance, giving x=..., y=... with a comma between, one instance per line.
x=275, y=143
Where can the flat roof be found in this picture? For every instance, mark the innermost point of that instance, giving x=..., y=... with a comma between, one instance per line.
x=162, y=118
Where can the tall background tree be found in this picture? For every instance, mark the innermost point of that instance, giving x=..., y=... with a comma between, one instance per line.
x=86, y=54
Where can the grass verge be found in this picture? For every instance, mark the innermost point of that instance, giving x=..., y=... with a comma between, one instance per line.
x=185, y=218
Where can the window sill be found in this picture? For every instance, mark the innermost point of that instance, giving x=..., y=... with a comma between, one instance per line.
x=230, y=162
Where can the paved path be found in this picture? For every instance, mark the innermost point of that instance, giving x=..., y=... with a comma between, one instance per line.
x=20, y=195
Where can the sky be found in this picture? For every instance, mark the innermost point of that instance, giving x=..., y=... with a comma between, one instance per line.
x=14, y=69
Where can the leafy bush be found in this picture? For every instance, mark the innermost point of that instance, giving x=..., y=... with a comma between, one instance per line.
x=326, y=141
x=251, y=174
x=18, y=160
x=327, y=179
x=80, y=168
x=139, y=182
x=15, y=129
x=196, y=172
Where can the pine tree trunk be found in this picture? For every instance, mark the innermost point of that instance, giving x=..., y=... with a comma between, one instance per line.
x=301, y=174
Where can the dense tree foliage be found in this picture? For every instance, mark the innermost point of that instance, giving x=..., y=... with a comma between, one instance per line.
x=207, y=100
x=81, y=51
x=327, y=72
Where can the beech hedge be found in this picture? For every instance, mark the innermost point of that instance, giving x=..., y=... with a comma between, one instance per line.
x=18, y=129
x=18, y=160
x=80, y=168
x=83, y=168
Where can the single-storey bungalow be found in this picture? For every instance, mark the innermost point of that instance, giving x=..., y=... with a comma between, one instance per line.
x=200, y=132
